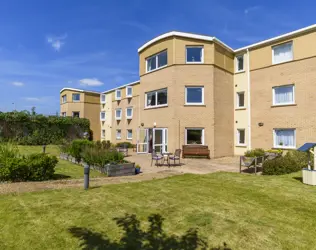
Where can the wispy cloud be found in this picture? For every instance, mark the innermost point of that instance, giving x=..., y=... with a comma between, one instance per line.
x=18, y=84
x=57, y=41
x=42, y=99
x=91, y=82
x=251, y=9
x=137, y=25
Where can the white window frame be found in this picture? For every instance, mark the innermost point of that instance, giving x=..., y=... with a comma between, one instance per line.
x=102, y=119
x=282, y=146
x=75, y=112
x=101, y=98
x=186, y=95
x=64, y=99
x=237, y=100
x=116, y=135
x=279, y=45
x=236, y=63
x=238, y=137
x=156, y=56
x=203, y=135
x=129, y=138
x=116, y=97
x=285, y=103
x=127, y=116
x=127, y=88
x=118, y=117
x=103, y=133
x=156, y=93
x=73, y=97
x=186, y=54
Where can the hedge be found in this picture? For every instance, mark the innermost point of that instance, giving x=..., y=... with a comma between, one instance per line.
x=35, y=129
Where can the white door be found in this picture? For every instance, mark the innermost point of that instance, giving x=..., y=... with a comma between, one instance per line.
x=142, y=140
x=160, y=140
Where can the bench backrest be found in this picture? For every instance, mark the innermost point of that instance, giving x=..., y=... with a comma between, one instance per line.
x=194, y=148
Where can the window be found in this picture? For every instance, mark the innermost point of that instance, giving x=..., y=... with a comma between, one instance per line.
x=282, y=53
x=118, y=94
x=194, y=95
x=157, y=61
x=240, y=63
x=241, y=138
x=76, y=114
x=102, y=116
x=103, y=133
x=63, y=114
x=103, y=98
x=118, y=134
x=284, y=138
x=118, y=114
x=156, y=98
x=129, y=135
x=240, y=99
x=194, y=136
x=64, y=99
x=129, y=113
x=76, y=97
x=194, y=54
x=129, y=91
x=283, y=95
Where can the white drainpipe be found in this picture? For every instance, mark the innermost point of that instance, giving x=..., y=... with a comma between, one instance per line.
x=248, y=99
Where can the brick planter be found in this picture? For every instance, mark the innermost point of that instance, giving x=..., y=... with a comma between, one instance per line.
x=121, y=169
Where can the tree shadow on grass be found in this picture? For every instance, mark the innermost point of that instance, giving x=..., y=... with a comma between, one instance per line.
x=298, y=179
x=135, y=238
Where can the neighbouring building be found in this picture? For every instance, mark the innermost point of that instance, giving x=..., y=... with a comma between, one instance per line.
x=195, y=89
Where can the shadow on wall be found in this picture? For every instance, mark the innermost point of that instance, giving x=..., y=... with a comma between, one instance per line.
x=135, y=238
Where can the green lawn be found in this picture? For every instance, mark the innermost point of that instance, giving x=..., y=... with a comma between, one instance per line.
x=245, y=211
x=64, y=169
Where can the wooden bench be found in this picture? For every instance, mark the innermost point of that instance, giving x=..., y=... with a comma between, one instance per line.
x=195, y=150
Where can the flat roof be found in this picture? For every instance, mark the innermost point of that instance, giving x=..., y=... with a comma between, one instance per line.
x=80, y=90
x=122, y=86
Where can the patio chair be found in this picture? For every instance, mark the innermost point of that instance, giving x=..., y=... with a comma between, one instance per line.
x=155, y=157
x=175, y=157
x=248, y=164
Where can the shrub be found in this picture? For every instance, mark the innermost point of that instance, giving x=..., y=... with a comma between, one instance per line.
x=76, y=148
x=301, y=158
x=100, y=157
x=106, y=144
x=8, y=151
x=124, y=144
x=257, y=152
x=275, y=151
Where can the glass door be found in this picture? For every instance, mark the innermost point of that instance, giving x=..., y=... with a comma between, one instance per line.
x=142, y=140
x=160, y=140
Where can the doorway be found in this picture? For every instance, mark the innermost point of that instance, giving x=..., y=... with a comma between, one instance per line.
x=152, y=138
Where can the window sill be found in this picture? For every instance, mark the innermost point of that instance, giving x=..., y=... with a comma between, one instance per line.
x=241, y=108
x=118, y=119
x=129, y=118
x=194, y=105
x=241, y=71
x=274, y=63
x=118, y=138
x=129, y=96
x=156, y=107
x=129, y=139
x=285, y=148
x=241, y=145
x=156, y=69
x=194, y=62
x=75, y=101
x=283, y=105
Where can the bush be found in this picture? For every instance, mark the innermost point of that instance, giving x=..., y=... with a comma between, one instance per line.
x=100, y=157
x=275, y=151
x=76, y=148
x=124, y=145
x=8, y=151
x=257, y=152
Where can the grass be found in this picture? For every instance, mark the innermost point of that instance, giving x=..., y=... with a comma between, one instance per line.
x=64, y=169
x=245, y=211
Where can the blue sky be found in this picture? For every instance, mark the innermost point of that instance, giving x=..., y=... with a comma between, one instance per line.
x=48, y=45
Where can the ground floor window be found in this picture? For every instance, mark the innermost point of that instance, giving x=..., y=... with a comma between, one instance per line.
x=194, y=136
x=103, y=133
x=284, y=138
x=241, y=138
x=118, y=134
x=63, y=114
x=129, y=135
x=76, y=114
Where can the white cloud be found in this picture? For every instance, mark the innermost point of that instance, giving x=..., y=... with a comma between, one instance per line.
x=32, y=99
x=57, y=41
x=18, y=84
x=90, y=82
x=250, y=9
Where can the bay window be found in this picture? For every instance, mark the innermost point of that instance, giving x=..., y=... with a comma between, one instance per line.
x=157, y=61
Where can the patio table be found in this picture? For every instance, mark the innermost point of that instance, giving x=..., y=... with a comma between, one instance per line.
x=166, y=157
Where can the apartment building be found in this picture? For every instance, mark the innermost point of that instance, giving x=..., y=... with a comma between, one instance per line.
x=83, y=104
x=195, y=89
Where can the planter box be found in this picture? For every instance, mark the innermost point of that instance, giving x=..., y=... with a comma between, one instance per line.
x=121, y=169
x=309, y=176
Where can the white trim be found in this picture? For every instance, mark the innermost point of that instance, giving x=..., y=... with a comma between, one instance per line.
x=127, y=88
x=237, y=100
x=164, y=137
x=282, y=146
x=186, y=95
x=118, y=138
x=118, y=117
x=284, y=103
x=185, y=135
x=248, y=100
x=101, y=97
x=127, y=116
x=116, y=97
x=156, y=94
x=122, y=86
x=236, y=63
x=129, y=138
x=279, y=45
x=102, y=119
x=156, y=59
x=73, y=97
x=186, y=54
x=79, y=90
x=103, y=135
x=238, y=137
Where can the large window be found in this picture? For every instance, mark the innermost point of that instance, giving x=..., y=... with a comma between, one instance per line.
x=129, y=134
x=156, y=98
x=194, y=54
x=64, y=99
x=76, y=97
x=76, y=114
x=240, y=63
x=102, y=116
x=194, y=136
x=284, y=138
x=240, y=100
x=118, y=134
x=283, y=95
x=157, y=61
x=118, y=94
x=241, y=138
x=129, y=113
x=118, y=114
x=194, y=95
x=282, y=53
x=103, y=98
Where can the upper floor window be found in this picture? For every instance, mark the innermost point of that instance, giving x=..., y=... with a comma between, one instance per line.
x=64, y=99
x=157, y=61
x=156, y=98
x=194, y=95
x=129, y=113
x=283, y=95
x=102, y=116
x=76, y=97
x=129, y=91
x=194, y=54
x=103, y=98
x=76, y=114
x=284, y=138
x=118, y=114
x=282, y=53
x=240, y=63
x=118, y=94
x=240, y=100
